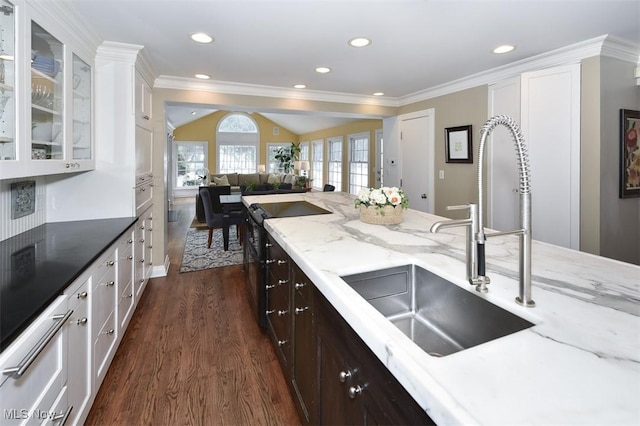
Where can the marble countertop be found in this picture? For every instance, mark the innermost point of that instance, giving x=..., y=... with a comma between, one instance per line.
x=579, y=363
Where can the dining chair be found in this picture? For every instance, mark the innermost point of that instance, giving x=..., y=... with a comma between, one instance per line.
x=214, y=214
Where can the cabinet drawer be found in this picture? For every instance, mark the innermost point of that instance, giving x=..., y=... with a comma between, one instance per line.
x=24, y=396
x=144, y=197
x=125, y=265
x=103, y=299
x=103, y=347
x=106, y=263
x=60, y=411
x=125, y=306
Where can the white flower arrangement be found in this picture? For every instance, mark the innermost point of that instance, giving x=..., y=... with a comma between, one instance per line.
x=380, y=197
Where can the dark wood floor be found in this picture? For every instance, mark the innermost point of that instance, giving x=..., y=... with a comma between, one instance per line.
x=193, y=353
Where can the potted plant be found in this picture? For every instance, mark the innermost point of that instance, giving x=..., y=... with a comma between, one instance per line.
x=286, y=155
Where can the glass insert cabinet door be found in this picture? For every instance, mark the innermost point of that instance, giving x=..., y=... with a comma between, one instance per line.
x=47, y=90
x=81, y=110
x=8, y=147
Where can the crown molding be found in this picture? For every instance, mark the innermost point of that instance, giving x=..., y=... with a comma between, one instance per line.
x=228, y=87
x=116, y=51
x=599, y=46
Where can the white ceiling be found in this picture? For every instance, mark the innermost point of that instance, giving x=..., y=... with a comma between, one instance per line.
x=417, y=44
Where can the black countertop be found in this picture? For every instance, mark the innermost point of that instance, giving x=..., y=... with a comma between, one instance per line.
x=38, y=265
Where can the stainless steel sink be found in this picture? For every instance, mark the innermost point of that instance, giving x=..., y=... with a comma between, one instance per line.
x=436, y=314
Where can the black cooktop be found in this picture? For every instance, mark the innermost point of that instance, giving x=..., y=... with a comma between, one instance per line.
x=290, y=209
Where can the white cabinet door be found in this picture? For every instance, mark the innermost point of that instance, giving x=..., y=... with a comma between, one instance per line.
x=551, y=127
x=79, y=360
x=30, y=385
x=502, y=168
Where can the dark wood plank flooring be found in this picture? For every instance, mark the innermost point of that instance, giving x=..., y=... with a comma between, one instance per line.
x=193, y=354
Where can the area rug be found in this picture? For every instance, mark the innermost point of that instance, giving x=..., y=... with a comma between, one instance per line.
x=197, y=256
x=198, y=225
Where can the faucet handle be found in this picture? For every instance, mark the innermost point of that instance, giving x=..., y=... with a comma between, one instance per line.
x=460, y=207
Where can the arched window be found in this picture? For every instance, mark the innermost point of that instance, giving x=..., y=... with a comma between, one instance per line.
x=237, y=142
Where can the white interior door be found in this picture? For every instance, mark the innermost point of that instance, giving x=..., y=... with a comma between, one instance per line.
x=502, y=168
x=551, y=127
x=417, y=150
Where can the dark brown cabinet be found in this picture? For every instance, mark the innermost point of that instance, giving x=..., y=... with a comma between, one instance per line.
x=354, y=387
x=333, y=376
x=278, y=289
x=303, y=372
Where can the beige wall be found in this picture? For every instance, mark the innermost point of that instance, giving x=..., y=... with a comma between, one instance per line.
x=362, y=126
x=204, y=129
x=457, y=109
x=590, y=156
x=619, y=224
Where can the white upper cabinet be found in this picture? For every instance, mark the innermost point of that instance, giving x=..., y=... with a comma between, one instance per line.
x=8, y=142
x=47, y=127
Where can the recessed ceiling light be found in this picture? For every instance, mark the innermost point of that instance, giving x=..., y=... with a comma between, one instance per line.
x=201, y=38
x=359, y=42
x=505, y=48
x=378, y=94
x=323, y=70
x=300, y=86
x=203, y=76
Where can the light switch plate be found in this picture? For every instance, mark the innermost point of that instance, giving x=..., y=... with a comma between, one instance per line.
x=441, y=174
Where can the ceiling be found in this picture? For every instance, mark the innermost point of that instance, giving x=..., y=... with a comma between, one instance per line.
x=416, y=44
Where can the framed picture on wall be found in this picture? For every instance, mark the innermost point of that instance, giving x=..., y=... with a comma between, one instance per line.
x=629, y=153
x=458, y=146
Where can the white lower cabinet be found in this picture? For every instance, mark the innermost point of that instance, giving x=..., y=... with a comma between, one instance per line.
x=79, y=351
x=34, y=369
x=52, y=372
x=143, y=252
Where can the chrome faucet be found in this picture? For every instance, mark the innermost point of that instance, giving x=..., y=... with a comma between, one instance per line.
x=471, y=224
x=524, y=232
x=476, y=237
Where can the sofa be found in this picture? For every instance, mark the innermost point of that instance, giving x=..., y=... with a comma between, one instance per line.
x=254, y=181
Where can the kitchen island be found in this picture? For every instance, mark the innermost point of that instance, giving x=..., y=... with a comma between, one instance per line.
x=579, y=363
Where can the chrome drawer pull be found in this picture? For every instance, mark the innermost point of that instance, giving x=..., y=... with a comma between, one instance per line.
x=82, y=295
x=61, y=419
x=111, y=263
x=110, y=283
x=355, y=391
x=282, y=262
x=282, y=313
x=344, y=375
x=282, y=342
x=82, y=321
x=110, y=331
x=268, y=245
x=270, y=286
x=270, y=311
x=130, y=257
x=18, y=371
x=280, y=282
x=298, y=286
x=269, y=261
x=301, y=310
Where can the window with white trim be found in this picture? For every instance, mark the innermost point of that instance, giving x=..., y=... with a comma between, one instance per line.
x=316, y=163
x=237, y=142
x=335, y=162
x=358, y=162
x=190, y=161
x=273, y=165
